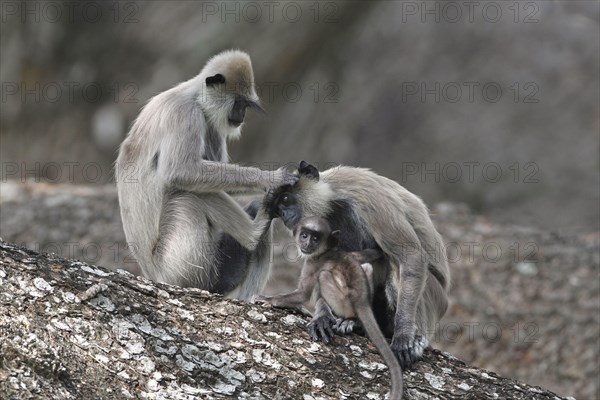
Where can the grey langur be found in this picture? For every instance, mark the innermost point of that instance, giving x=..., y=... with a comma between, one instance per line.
x=174, y=182
x=411, y=282
x=341, y=285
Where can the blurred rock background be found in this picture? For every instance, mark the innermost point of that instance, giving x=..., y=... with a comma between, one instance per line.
x=494, y=105
x=498, y=109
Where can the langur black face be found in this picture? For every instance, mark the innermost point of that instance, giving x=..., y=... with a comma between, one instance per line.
x=314, y=236
x=309, y=240
x=240, y=104
x=238, y=111
x=284, y=202
x=287, y=208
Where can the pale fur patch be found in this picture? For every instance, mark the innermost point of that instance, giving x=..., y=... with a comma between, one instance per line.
x=317, y=196
x=236, y=67
x=217, y=110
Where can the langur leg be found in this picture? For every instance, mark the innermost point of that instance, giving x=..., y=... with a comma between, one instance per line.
x=432, y=306
x=184, y=253
x=258, y=267
x=347, y=326
x=225, y=213
x=336, y=299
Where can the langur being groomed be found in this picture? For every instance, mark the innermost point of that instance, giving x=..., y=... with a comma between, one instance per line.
x=411, y=281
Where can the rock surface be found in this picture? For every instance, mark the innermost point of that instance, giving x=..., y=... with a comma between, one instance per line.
x=525, y=303
x=70, y=330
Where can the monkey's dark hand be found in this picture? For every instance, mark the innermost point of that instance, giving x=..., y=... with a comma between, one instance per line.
x=322, y=327
x=277, y=302
x=268, y=202
x=282, y=177
x=409, y=348
x=261, y=300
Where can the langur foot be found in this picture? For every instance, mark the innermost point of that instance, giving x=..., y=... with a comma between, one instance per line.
x=348, y=326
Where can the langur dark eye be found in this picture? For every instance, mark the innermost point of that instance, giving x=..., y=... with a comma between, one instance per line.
x=285, y=199
x=303, y=235
x=315, y=238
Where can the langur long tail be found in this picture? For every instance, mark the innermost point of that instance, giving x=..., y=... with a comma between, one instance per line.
x=365, y=314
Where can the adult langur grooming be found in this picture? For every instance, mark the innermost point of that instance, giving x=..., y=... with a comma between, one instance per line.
x=173, y=178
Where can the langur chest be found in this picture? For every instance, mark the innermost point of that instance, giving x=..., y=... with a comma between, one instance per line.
x=214, y=147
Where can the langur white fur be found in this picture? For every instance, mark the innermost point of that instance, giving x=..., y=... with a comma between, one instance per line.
x=411, y=282
x=173, y=178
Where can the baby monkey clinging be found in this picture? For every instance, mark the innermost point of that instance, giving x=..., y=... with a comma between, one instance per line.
x=341, y=282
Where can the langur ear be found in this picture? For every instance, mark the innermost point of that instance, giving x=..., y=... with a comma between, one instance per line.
x=215, y=80
x=308, y=170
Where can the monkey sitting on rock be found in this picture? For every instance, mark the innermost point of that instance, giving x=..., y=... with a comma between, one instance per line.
x=174, y=181
x=411, y=282
x=341, y=284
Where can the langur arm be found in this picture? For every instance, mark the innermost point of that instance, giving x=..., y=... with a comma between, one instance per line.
x=407, y=343
x=306, y=286
x=180, y=164
x=211, y=176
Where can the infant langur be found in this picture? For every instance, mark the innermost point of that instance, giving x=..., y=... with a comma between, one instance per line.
x=341, y=282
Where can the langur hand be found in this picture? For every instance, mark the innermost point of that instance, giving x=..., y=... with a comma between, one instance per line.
x=322, y=327
x=409, y=348
x=281, y=177
x=276, y=301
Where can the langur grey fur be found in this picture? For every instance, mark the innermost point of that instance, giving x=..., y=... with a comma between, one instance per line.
x=173, y=178
x=411, y=282
x=341, y=285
